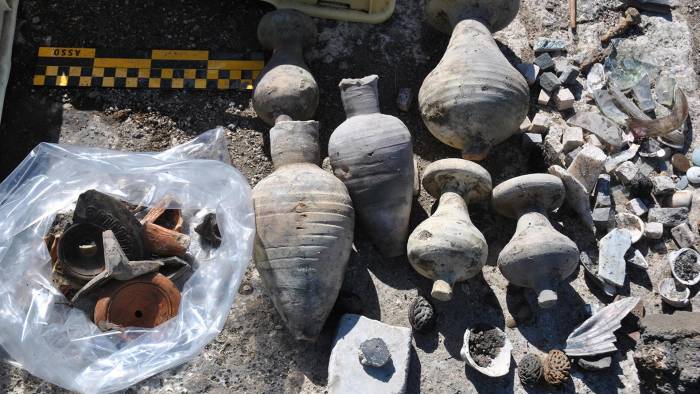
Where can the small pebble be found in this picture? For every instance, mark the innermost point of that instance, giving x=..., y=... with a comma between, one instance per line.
x=680, y=162
x=374, y=353
x=696, y=157
x=682, y=183
x=693, y=174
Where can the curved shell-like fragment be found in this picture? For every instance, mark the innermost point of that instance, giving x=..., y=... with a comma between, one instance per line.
x=596, y=335
x=499, y=366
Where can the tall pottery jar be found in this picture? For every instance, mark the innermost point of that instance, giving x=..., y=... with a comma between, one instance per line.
x=474, y=99
x=305, y=221
x=372, y=154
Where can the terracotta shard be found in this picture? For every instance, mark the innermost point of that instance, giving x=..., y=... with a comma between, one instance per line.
x=146, y=301
x=165, y=242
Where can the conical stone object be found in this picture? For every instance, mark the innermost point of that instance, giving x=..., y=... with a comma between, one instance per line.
x=305, y=221
x=372, y=154
x=473, y=99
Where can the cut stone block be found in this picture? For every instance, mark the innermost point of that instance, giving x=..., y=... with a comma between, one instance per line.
x=611, y=258
x=545, y=62
x=549, y=82
x=637, y=207
x=345, y=372
x=529, y=71
x=573, y=138
x=602, y=190
x=576, y=195
x=620, y=197
x=592, y=139
x=694, y=212
x=588, y=165
x=568, y=75
x=569, y=158
x=602, y=217
x=669, y=217
x=525, y=126
x=564, y=99
x=530, y=140
x=663, y=185
x=626, y=172
x=654, y=230
x=540, y=123
x=544, y=44
x=543, y=98
x=683, y=235
x=552, y=144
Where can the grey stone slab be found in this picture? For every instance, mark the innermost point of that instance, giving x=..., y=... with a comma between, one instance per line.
x=599, y=125
x=611, y=257
x=669, y=217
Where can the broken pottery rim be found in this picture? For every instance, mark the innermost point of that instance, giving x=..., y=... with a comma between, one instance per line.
x=674, y=302
x=672, y=259
x=500, y=365
x=637, y=234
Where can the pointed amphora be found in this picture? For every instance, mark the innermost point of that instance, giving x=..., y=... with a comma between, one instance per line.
x=304, y=220
x=372, y=154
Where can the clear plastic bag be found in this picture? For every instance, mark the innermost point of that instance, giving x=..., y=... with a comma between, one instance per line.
x=61, y=344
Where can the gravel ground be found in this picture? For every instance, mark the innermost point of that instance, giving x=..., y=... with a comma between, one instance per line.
x=253, y=353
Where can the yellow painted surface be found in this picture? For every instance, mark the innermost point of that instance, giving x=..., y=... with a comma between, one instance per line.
x=235, y=64
x=122, y=62
x=175, y=54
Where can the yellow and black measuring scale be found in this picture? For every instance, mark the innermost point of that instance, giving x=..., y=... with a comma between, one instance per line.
x=149, y=69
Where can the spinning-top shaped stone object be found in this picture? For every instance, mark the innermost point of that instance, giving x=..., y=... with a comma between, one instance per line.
x=304, y=220
x=285, y=86
x=373, y=155
x=447, y=247
x=537, y=256
x=474, y=98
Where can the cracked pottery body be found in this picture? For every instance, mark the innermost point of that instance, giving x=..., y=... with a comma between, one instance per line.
x=285, y=86
x=447, y=247
x=372, y=154
x=473, y=99
x=304, y=220
x=537, y=256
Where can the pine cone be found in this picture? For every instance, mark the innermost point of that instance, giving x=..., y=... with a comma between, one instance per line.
x=530, y=369
x=556, y=367
x=421, y=314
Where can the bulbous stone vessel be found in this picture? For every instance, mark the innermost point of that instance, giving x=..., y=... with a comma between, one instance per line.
x=372, y=154
x=538, y=256
x=474, y=99
x=285, y=86
x=304, y=220
x=447, y=247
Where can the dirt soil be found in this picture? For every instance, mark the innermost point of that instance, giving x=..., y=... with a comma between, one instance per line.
x=484, y=346
x=254, y=353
